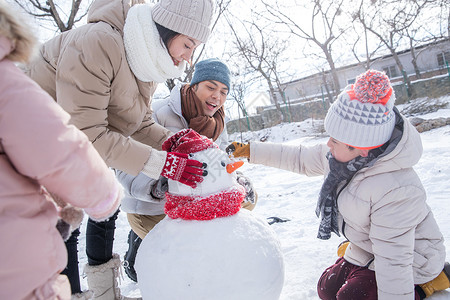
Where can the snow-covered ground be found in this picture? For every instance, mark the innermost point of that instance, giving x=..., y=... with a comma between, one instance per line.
x=292, y=196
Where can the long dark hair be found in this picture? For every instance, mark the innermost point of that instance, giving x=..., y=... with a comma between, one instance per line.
x=166, y=34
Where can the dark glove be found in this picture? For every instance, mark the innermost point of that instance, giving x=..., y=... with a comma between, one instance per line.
x=160, y=188
x=238, y=149
x=180, y=168
x=247, y=184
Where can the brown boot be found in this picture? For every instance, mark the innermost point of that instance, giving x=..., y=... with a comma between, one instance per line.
x=440, y=283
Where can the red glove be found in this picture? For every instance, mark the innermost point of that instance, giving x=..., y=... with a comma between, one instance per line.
x=180, y=168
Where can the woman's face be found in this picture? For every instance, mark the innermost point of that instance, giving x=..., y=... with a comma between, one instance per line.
x=181, y=47
x=342, y=152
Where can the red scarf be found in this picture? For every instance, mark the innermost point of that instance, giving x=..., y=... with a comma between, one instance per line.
x=218, y=205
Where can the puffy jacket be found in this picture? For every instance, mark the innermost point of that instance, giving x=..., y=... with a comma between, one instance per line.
x=383, y=211
x=137, y=199
x=86, y=71
x=40, y=153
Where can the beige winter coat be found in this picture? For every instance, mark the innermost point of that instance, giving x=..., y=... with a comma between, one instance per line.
x=86, y=71
x=383, y=212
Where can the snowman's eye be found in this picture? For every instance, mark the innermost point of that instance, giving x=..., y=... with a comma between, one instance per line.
x=222, y=163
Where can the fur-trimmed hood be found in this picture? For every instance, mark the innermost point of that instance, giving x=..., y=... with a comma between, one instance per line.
x=16, y=41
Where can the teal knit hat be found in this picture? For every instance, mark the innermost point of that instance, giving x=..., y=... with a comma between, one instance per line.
x=211, y=69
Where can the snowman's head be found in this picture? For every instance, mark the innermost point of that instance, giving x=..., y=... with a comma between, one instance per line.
x=218, y=186
x=219, y=177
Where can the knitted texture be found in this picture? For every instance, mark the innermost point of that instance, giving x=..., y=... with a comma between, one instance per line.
x=187, y=141
x=180, y=168
x=373, y=87
x=222, y=204
x=188, y=17
x=362, y=115
x=146, y=55
x=211, y=69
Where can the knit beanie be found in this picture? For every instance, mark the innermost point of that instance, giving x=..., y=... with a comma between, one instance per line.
x=211, y=69
x=148, y=58
x=188, y=17
x=218, y=195
x=362, y=115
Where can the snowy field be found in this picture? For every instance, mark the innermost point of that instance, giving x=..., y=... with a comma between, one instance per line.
x=292, y=196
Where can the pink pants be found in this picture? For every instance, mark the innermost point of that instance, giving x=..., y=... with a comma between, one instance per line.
x=345, y=281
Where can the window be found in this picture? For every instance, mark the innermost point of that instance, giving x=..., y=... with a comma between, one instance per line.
x=351, y=81
x=391, y=71
x=443, y=58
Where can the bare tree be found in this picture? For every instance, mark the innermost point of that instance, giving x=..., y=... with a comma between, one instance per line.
x=261, y=52
x=237, y=93
x=420, y=33
x=55, y=11
x=388, y=21
x=323, y=31
x=362, y=39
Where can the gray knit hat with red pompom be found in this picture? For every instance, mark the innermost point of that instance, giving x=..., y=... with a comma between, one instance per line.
x=188, y=17
x=362, y=115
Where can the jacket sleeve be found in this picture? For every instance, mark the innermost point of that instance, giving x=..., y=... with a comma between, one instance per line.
x=138, y=187
x=392, y=232
x=83, y=89
x=151, y=133
x=310, y=161
x=43, y=147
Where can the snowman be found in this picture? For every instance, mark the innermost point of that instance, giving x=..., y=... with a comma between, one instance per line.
x=206, y=247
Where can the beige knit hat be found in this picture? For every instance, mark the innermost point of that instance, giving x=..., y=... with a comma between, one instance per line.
x=362, y=115
x=188, y=17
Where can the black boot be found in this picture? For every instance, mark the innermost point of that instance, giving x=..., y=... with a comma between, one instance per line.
x=134, y=241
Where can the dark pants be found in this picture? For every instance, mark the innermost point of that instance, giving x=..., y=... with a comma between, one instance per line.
x=345, y=281
x=99, y=248
x=71, y=270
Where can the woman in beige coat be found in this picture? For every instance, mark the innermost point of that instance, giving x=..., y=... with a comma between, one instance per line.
x=371, y=195
x=104, y=75
x=40, y=154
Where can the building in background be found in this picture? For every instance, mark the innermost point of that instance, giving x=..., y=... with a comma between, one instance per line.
x=432, y=59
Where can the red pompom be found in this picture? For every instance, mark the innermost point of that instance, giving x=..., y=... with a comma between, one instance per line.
x=373, y=87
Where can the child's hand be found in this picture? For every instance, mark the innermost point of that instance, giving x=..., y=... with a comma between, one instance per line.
x=238, y=149
x=342, y=247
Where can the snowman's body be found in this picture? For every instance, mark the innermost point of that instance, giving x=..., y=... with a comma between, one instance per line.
x=203, y=249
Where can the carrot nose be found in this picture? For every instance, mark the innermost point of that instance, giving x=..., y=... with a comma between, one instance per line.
x=234, y=166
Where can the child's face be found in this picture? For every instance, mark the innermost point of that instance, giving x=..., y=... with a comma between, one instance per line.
x=342, y=152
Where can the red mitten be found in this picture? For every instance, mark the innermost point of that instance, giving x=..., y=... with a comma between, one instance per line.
x=180, y=168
